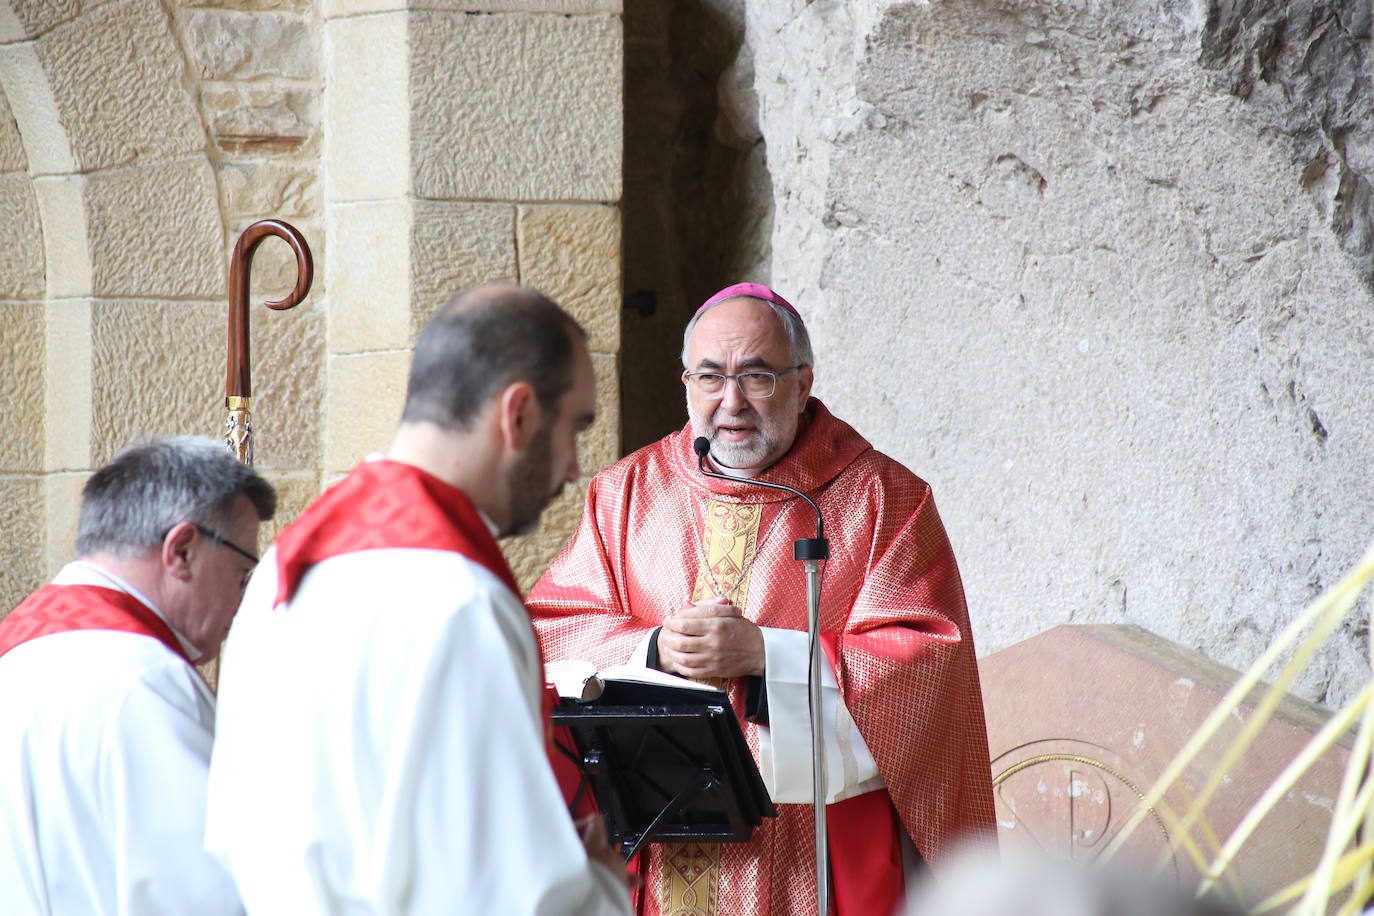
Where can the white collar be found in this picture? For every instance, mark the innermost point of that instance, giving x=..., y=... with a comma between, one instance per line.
x=491, y=526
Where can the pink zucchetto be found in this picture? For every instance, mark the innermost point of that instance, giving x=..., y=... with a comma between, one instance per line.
x=753, y=291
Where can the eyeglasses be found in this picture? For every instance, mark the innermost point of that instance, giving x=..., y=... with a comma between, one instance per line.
x=223, y=541
x=756, y=383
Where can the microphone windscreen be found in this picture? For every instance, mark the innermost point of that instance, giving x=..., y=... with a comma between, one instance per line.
x=702, y=446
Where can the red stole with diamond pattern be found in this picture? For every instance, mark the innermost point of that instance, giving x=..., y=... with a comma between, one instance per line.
x=386, y=504
x=64, y=608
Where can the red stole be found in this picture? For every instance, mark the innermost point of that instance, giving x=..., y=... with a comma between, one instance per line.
x=386, y=504
x=63, y=608
x=389, y=504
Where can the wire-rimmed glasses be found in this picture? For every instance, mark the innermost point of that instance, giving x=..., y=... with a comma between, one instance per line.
x=753, y=383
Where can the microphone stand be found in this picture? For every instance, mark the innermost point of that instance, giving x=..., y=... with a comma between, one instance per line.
x=810, y=551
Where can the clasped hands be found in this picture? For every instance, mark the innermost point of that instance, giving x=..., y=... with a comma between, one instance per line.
x=710, y=638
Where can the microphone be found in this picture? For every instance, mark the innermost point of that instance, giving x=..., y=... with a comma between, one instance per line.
x=810, y=551
x=813, y=550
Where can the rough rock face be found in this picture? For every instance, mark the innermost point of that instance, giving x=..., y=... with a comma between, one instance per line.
x=1303, y=70
x=1101, y=273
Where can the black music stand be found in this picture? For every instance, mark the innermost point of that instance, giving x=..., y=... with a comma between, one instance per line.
x=666, y=765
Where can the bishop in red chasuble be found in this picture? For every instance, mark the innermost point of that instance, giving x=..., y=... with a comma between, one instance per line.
x=695, y=575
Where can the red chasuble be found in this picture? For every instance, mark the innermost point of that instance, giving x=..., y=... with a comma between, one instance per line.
x=657, y=534
x=389, y=504
x=63, y=608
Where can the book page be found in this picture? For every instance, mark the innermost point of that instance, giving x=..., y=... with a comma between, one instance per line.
x=644, y=675
x=579, y=680
x=569, y=676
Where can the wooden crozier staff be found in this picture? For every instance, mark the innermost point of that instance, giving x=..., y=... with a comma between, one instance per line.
x=238, y=393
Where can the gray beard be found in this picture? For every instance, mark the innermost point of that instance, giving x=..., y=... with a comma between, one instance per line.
x=742, y=455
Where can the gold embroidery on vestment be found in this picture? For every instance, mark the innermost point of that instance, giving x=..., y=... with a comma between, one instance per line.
x=691, y=871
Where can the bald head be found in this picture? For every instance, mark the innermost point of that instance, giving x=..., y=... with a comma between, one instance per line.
x=482, y=340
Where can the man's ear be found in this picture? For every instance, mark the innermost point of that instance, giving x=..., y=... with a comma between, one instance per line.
x=177, y=548
x=805, y=376
x=519, y=414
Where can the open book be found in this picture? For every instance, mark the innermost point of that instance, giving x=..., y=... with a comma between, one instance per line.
x=626, y=684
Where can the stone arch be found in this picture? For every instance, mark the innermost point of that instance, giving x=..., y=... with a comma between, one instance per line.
x=119, y=284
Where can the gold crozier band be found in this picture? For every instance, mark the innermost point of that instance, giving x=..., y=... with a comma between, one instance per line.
x=691, y=871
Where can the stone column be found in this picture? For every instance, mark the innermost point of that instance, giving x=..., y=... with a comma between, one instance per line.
x=460, y=146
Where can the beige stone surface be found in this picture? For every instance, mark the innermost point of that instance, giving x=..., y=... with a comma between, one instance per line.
x=456, y=245
x=530, y=555
x=231, y=45
x=252, y=120
x=342, y=8
x=67, y=391
x=22, y=328
x=22, y=512
x=572, y=253
x=61, y=203
x=62, y=498
x=294, y=493
x=117, y=76
x=599, y=446
x=157, y=369
x=369, y=293
x=288, y=384
x=256, y=190
x=21, y=251
x=28, y=18
x=29, y=94
x=565, y=7
x=11, y=29
x=12, y=158
x=538, y=125
x=367, y=107
x=155, y=231
x=294, y=6
x=362, y=406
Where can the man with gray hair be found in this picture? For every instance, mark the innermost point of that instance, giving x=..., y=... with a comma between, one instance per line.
x=106, y=726
x=695, y=575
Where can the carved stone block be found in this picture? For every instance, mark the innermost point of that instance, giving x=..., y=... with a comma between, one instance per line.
x=1083, y=719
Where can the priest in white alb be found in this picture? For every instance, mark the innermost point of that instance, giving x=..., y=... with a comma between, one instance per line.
x=383, y=742
x=106, y=726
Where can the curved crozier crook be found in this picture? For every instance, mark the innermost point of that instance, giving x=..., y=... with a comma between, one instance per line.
x=238, y=428
x=238, y=383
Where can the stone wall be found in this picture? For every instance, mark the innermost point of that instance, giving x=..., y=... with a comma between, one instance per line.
x=1101, y=274
x=697, y=204
x=417, y=150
